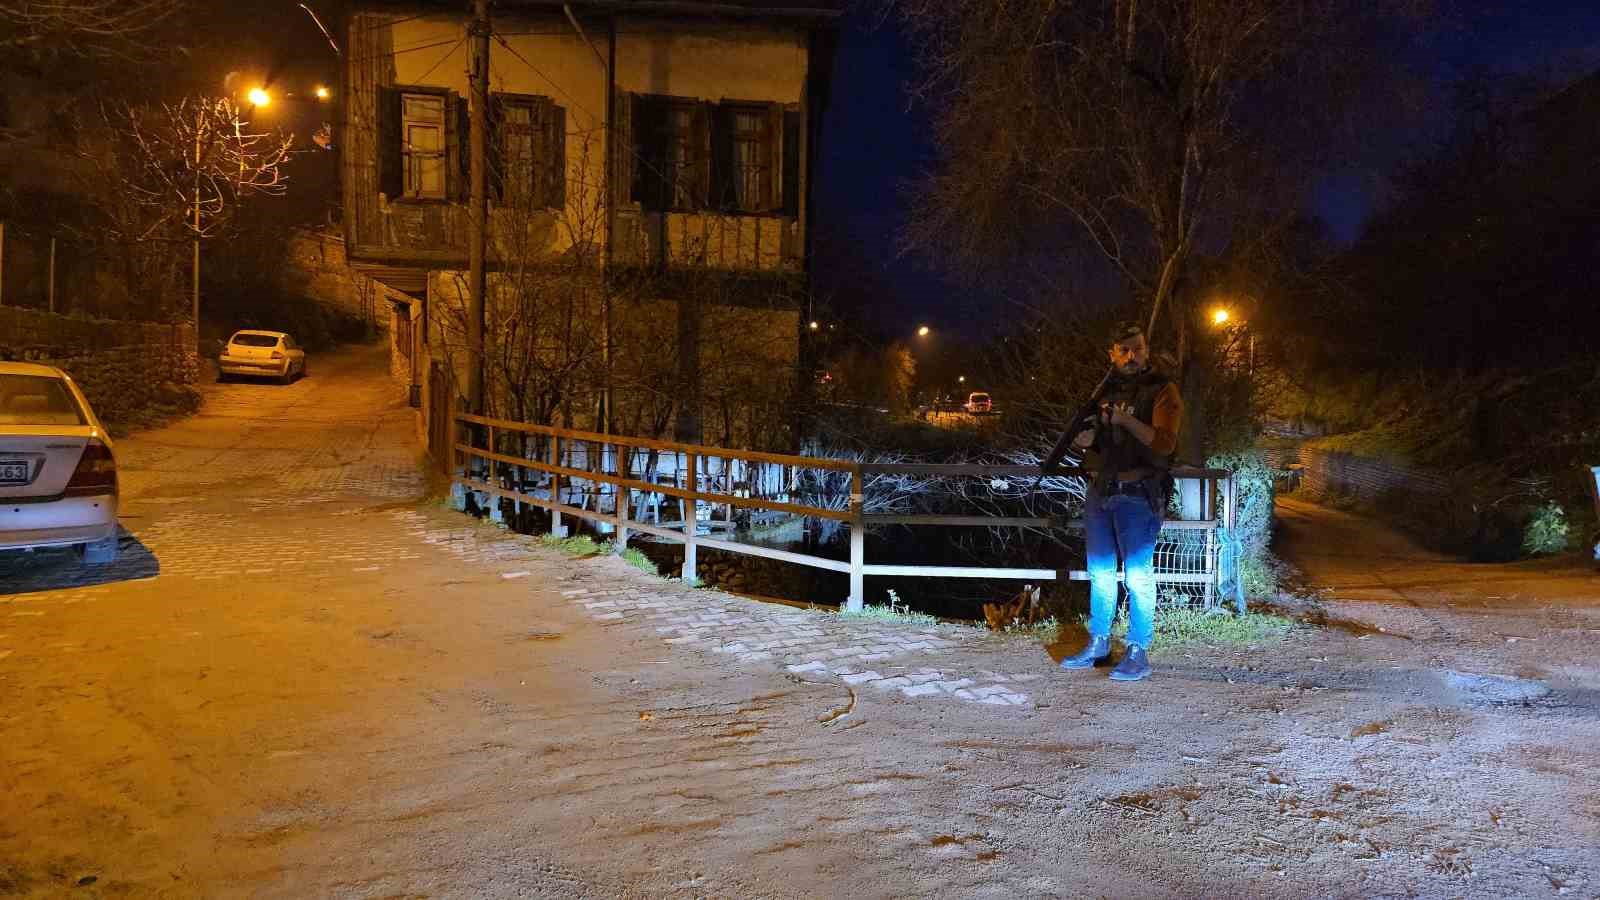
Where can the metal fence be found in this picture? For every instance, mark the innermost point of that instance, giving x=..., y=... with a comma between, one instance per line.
x=625, y=482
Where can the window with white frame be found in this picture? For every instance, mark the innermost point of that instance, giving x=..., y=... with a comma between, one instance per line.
x=423, y=148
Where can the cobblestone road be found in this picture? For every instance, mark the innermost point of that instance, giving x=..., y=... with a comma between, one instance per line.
x=196, y=496
x=301, y=679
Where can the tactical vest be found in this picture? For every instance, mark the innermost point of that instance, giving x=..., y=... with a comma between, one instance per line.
x=1120, y=451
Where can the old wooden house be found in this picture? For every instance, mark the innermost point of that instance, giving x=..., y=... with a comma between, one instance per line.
x=648, y=169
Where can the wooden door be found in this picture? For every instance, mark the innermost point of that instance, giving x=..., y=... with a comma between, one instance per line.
x=440, y=429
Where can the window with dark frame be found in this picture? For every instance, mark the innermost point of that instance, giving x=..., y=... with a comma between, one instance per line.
x=736, y=156
x=530, y=152
x=684, y=156
x=750, y=159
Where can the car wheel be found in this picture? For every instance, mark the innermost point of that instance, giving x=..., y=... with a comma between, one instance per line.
x=99, y=553
x=287, y=377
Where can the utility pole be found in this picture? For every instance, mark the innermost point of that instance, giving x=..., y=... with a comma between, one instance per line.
x=607, y=252
x=199, y=126
x=479, y=213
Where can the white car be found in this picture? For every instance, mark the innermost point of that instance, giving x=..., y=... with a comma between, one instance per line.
x=270, y=354
x=58, y=472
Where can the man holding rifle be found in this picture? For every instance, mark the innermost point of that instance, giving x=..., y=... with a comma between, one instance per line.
x=1129, y=431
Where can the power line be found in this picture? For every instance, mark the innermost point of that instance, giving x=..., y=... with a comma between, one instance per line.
x=389, y=22
x=449, y=53
x=575, y=102
x=388, y=53
x=632, y=151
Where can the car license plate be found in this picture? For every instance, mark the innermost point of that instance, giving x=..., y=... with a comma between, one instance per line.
x=13, y=472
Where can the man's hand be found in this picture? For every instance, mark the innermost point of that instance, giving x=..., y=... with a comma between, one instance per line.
x=1121, y=415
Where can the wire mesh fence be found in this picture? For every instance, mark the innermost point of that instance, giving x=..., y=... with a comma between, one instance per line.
x=1186, y=566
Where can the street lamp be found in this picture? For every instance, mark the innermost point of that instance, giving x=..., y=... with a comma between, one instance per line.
x=961, y=379
x=923, y=331
x=259, y=97
x=322, y=92
x=815, y=325
x=1220, y=317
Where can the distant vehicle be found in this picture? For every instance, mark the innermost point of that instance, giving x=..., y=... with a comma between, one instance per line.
x=262, y=354
x=58, y=474
x=978, y=402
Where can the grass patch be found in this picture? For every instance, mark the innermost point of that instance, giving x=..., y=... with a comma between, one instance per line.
x=897, y=612
x=585, y=546
x=899, y=615
x=579, y=545
x=1044, y=630
x=639, y=561
x=1185, y=627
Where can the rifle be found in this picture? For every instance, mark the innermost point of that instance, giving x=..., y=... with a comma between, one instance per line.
x=1088, y=416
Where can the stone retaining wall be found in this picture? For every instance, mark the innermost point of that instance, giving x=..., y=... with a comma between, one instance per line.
x=316, y=266
x=1329, y=473
x=125, y=368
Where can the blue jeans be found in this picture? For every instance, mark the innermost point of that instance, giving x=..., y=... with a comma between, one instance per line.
x=1126, y=524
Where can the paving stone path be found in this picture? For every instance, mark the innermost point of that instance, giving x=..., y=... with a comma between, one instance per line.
x=884, y=656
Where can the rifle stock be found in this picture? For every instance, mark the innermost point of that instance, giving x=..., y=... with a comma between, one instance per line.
x=1085, y=418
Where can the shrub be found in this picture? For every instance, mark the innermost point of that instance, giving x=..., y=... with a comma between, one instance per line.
x=1252, y=531
x=1546, y=531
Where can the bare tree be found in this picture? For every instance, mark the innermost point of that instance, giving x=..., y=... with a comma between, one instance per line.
x=1129, y=127
x=159, y=177
x=86, y=29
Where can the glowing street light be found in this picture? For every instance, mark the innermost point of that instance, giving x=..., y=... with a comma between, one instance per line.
x=1220, y=317
x=259, y=97
x=961, y=379
x=923, y=331
x=815, y=325
x=322, y=92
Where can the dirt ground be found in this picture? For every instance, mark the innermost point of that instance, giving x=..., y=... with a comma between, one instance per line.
x=302, y=681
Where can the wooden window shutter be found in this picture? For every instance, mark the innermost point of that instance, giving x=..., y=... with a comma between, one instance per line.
x=723, y=193
x=791, y=163
x=555, y=154
x=622, y=149
x=496, y=150
x=391, y=161
x=457, y=123
x=650, y=186
x=772, y=160
x=699, y=196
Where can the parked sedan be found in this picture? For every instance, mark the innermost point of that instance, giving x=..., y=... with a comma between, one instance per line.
x=58, y=474
x=270, y=354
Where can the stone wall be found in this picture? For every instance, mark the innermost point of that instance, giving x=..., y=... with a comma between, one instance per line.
x=317, y=267
x=125, y=368
x=1331, y=473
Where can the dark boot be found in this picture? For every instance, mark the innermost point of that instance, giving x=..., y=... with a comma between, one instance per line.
x=1097, y=651
x=1135, y=665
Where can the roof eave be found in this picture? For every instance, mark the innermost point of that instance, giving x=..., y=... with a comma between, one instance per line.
x=797, y=11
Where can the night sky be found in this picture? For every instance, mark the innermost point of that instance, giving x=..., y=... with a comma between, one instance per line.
x=875, y=142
